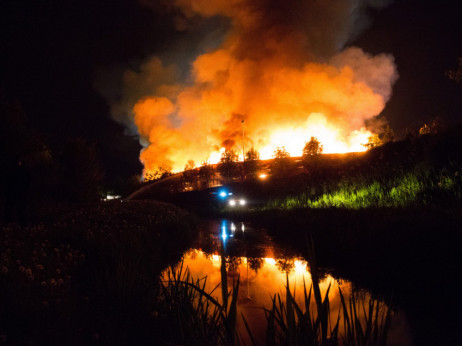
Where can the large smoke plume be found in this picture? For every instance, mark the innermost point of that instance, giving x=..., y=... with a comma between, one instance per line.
x=282, y=67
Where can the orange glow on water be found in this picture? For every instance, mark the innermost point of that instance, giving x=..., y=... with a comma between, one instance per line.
x=263, y=270
x=262, y=284
x=257, y=287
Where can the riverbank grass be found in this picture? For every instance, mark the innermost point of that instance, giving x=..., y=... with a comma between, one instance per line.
x=91, y=275
x=422, y=187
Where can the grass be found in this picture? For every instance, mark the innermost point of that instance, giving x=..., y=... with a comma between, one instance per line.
x=91, y=275
x=193, y=314
x=421, y=172
x=422, y=187
x=200, y=318
x=380, y=216
x=291, y=323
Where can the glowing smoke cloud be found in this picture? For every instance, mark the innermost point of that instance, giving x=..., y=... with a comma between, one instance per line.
x=281, y=68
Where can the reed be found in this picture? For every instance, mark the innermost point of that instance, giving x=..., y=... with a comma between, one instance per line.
x=291, y=323
x=200, y=318
x=197, y=316
x=373, y=329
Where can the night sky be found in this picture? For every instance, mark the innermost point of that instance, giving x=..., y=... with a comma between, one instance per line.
x=54, y=53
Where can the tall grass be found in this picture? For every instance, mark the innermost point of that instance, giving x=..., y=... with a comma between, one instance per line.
x=372, y=329
x=291, y=323
x=200, y=318
x=197, y=316
x=89, y=270
x=420, y=187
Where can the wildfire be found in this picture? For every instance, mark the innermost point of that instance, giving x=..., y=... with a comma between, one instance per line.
x=294, y=139
x=280, y=70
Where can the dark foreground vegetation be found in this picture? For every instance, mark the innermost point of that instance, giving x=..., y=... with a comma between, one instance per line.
x=91, y=276
x=204, y=319
x=410, y=256
x=389, y=220
x=421, y=171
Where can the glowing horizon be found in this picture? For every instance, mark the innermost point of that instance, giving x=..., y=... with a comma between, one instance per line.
x=278, y=90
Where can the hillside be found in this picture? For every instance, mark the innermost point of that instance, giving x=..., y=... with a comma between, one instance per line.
x=420, y=171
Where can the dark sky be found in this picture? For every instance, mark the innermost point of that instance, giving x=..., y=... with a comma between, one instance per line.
x=53, y=50
x=426, y=40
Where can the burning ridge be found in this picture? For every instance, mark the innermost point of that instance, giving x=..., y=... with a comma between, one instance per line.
x=282, y=67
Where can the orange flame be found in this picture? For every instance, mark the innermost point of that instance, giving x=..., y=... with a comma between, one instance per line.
x=263, y=73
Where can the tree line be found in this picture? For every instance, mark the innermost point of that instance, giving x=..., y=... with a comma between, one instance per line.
x=38, y=172
x=230, y=170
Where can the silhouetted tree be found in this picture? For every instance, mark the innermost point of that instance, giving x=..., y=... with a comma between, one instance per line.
x=456, y=74
x=285, y=265
x=233, y=263
x=190, y=165
x=252, y=155
x=159, y=174
x=255, y=263
x=282, y=164
x=13, y=129
x=388, y=135
x=22, y=152
x=373, y=142
x=228, y=165
x=251, y=163
x=206, y=173
x=432, y=127
x=424, y=130
x=312, y=148
x=311, y=152
x=190, y=175
x=17, y=182
x=124, y=186
x=80, y=171
x=281, y=153
x=17, y=139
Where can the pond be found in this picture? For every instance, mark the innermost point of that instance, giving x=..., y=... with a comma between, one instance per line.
x=263, y=269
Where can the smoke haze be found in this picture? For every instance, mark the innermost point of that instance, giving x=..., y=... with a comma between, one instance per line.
x=281, y=66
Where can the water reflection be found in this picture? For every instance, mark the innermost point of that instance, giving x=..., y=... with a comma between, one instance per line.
x=236, y=250
x=229, y=228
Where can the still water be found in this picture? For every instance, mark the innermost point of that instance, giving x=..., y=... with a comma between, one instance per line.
x=264, y=268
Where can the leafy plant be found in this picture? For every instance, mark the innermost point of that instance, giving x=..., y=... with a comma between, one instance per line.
x=198, y=317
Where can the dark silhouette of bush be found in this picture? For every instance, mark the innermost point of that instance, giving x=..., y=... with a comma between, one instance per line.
x=251, y=165
x=79, y=171
x=282, y=164
x=228, y=165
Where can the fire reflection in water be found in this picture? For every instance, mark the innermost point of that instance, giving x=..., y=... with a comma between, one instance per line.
x=263, y=272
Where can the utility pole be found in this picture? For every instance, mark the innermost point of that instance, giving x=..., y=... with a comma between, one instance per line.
x=243, y=145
